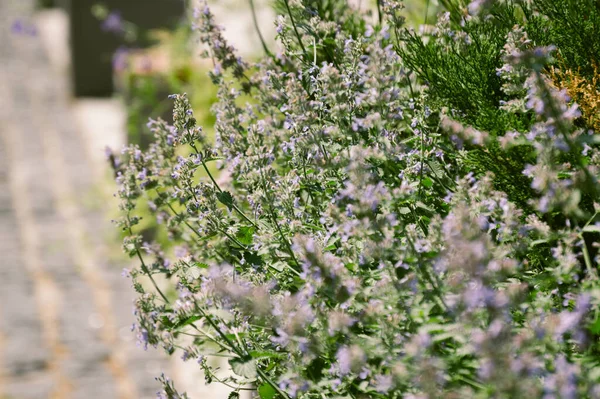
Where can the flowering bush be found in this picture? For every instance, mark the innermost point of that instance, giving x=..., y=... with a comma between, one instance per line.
x=397, y=213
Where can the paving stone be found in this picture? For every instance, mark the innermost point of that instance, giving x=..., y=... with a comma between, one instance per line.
x=24, y=359
x=35, y=386
x=35, y=108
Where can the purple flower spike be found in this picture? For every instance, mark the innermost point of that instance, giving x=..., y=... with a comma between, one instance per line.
x=113, y=23
x=120, y=59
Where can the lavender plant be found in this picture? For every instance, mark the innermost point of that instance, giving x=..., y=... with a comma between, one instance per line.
x=396, y=214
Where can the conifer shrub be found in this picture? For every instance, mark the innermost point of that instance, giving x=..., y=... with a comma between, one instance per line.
x=397, y=214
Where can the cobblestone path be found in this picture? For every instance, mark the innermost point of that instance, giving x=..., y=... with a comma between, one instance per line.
x=65, y=310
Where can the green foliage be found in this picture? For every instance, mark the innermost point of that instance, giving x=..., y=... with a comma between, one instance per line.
x=462, y=73
x=400, y=214
x=266, y=391
x=572, y=26
x=507, y=167
x=320, y=43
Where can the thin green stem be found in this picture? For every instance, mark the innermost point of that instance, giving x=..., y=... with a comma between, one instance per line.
x=144, y=267
x=274, y=221
x=235, y=240
x=234, y=206
x=260, y=36
x=588, y=260
x=287, y=5
x=232, y=346
x=238, y=388
x=422, y=163
x=184, y=221
x=213, y=339
x=285, y=241
x=435, y=284
x=242, y=214
x=473, y=383
x=271, y=383
x=590, y=220
x=586, y=254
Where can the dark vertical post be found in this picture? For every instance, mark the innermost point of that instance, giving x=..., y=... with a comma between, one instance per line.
x=92, y=48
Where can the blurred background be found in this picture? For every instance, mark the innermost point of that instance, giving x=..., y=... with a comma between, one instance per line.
x=76, y=77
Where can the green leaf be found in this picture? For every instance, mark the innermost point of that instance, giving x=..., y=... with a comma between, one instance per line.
x=595, y=374
x=591, y=228
x=243, y=368
x=209, y=159
x=363, y=386
x=150, y=185
x=253, y=258
x=266, y=391
x=595, y=326
x=279, y=266
x=245, y=234
x=404, y=210
x=436, y=168
x=264, y=354
x=226, y=199
x=194, y=273
x=427, y=182
x=185, y=322
x=331, y=245
x=424, y=207
x=233, y=395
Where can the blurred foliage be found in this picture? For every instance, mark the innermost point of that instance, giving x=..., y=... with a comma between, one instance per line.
x=46, y=3
x=145, y=91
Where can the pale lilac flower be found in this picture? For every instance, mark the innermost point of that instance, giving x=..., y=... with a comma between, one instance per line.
x=113, y=23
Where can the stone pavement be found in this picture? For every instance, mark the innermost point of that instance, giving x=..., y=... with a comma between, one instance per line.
x=65, y=310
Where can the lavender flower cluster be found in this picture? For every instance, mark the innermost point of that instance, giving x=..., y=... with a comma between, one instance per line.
x=343, y=249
